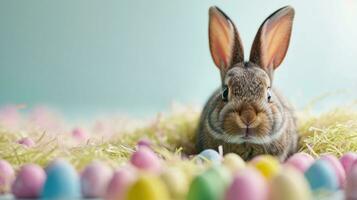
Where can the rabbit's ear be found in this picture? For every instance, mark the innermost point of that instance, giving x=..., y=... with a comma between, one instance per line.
x=272, y=40
x=225, y=44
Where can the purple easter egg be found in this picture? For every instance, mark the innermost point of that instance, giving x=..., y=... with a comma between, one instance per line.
x=95, y=179
x=351, y=183
x=29, y=181
x=337, y=167
x=7, y=176
x=347, y=161
x=248, y=184
x=144, y=158
x=300, y=161
x=28, y=142
x=119, y=184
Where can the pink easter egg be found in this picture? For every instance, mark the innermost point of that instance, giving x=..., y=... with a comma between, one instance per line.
x=144, y=158
x=248, y=184
x=29, y=181
x=300, y=161
x=144, y=142
x=28, y=142
x=338, y=168
x=79, y=134
x=347, y=160
x=119, y=184
x=95, y=179
x=351, y=183
x=7, y=176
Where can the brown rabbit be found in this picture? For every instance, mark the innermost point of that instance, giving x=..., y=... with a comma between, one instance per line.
x=247, y=115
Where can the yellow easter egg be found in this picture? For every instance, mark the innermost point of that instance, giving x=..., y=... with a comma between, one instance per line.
x=233, y=162
x=289, y=184
x=176, y=182
x=268, y=165
x=148, y=187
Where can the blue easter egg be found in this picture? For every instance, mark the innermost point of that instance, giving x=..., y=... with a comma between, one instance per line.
x=321, y=176
x=211, y=155
x=62, y=181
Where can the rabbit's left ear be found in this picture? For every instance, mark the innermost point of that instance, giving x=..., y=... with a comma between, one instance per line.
x=272, y=40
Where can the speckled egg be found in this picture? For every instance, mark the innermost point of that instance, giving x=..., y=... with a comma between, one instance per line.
x=62, y=181
x=347, y=161
x=211, y=155
x=148, y=187
x=233, y=162
x=29, y=181
x=27, y=142
x=321, y=176
x=7, y=176
x=210, y=185
x=122, y=179
x=268, y=165
x=145, y=159
x=176, y=182
x=248, y=184
x=289, y=184
x=95, y=179
x=300, y=161
x=351, y=183
x=337, y=167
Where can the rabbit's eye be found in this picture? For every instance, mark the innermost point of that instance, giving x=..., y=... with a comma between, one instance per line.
x=225, y=93
x=269, y=94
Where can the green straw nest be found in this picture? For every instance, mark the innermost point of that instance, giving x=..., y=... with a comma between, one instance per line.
x=172, y=138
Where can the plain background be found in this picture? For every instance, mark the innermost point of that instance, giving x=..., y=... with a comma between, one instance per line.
x=137, y=56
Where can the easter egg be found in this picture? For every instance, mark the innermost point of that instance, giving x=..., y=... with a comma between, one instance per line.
x=300, y=161
x=248, y=184
x=337, y=167
x=289, y=184
x=268, y=165
x=119, y=184
x=144, y=158
x=79, y=134
x=321, y=176
x=210, y=185
x=144, y=143
x=211, y=155
x=95, y=179
x=29, y=182
x=27, y=142
x=148, y=187
x=176, y=182
x=347, y=161
x=233, y=162
x=62, y=181
x=7, y=176
x=351, y=183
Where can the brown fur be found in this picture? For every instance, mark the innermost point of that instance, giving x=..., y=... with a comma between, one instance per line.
x=249, y=123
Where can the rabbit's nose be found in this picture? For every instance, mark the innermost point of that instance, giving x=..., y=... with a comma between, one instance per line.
x=248, y=115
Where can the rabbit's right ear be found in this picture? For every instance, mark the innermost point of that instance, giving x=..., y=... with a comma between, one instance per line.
x=225, y=44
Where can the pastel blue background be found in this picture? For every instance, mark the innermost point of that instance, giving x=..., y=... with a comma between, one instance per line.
x=138, y=56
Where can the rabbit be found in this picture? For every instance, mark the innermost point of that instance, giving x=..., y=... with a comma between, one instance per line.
x=247, y=115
